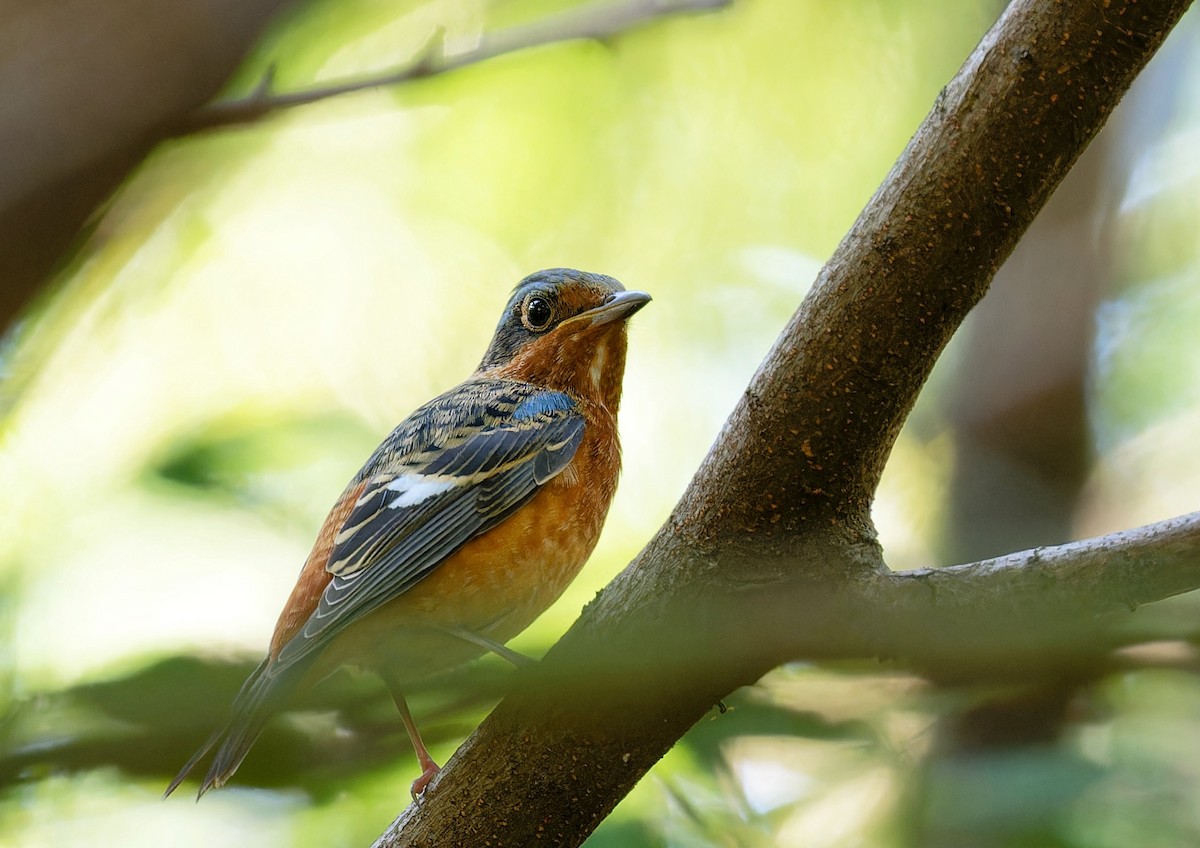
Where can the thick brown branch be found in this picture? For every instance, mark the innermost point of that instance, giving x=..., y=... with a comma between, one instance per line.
x=771, y=553
x=830, y=398
x=598, y=21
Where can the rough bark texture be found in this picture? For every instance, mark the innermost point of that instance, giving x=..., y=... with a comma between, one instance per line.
x=1022, y=445
x=770, y=554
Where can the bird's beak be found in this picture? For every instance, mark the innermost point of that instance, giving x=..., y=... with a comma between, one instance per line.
x=620, y=305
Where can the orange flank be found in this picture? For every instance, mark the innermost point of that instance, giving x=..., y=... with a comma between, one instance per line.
x=313, y=576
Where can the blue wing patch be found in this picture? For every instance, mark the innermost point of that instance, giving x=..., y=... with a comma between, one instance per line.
x=543, y=403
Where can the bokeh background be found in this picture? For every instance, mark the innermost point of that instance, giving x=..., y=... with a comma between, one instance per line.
x=258, y=305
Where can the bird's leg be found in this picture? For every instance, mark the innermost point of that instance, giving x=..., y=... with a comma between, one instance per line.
x=516, y=658
x=429, y=768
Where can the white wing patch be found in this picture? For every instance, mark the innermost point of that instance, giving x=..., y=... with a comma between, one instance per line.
x=414, y=488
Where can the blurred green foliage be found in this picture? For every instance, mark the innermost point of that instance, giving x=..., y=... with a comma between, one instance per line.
x=262, y=303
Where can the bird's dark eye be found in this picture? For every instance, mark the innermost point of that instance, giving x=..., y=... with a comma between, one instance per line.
x=536, y=313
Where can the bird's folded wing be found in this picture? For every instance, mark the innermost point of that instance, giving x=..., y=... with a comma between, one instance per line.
x=416, y=512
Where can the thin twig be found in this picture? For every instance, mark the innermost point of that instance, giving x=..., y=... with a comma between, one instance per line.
x=1122, y=570
x=1039, y=609
x=596, y=21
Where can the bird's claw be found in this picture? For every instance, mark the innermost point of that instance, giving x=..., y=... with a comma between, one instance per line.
x=419, y=785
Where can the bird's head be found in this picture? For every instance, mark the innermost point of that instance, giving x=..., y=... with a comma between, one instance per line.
x=565, y=330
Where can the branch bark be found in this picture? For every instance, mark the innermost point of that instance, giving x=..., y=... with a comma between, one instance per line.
x=770, y=554
x=1038, y=610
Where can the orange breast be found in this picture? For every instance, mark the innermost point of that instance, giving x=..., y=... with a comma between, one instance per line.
x=498, y=583
x=313, y=576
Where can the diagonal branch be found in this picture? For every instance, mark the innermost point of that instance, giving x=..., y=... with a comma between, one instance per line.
x=922, y=253
x=600, y=21
x=770, y=554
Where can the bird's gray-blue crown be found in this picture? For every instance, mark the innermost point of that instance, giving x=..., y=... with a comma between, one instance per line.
x=554, y=298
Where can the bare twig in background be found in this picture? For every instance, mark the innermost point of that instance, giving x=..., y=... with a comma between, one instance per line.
x=140, y=73
x=598, y=21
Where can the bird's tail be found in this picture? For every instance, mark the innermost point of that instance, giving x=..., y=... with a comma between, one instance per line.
x=254, y=705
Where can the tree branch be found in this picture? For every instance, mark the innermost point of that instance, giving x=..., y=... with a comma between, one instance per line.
x=1043, y=608
x=597, y=21
x=1118, y=572
x=771, y=554
x=1000, y=137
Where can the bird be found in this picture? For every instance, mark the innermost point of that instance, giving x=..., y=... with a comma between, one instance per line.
x=467, y=521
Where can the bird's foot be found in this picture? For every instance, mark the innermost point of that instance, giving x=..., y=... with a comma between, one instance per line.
x=517, y=659
x=418, y=786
